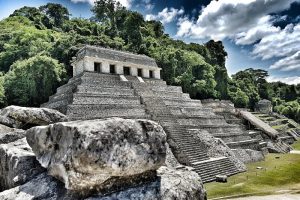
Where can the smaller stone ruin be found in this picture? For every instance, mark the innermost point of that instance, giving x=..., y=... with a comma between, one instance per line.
x=264, y=106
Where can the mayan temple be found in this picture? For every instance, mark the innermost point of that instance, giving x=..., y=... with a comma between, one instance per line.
x=109, y=83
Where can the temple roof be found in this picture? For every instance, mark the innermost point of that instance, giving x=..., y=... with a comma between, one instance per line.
x=116, y=55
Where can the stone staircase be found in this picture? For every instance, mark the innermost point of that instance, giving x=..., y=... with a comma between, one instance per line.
x=288, y=129
x=189, y=150
x=92, y=95
x=237, y=135
x=209, y=168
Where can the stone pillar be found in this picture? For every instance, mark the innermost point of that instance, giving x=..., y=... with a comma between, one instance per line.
x=156, y=74
x=145, y=73
x=133, y=71
x=74, y=70
x=119, y=69
x=88, y=64
x=105, y=67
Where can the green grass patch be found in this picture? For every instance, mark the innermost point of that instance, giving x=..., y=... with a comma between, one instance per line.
x=296, y=145
x=277, y=174
x=280, y=127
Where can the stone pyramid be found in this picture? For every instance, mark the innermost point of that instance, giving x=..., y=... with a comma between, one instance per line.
x=110, y=83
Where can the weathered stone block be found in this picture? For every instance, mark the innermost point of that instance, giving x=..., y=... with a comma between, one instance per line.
x=221, y=178
x=97, y=154
x=17, y=164
x=8, y=134
x=24, y=117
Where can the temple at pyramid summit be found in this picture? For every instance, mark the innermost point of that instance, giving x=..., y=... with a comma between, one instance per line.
x=108, y=61
x=109, y=83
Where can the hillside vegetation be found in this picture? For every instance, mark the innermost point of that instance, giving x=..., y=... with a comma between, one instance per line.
x=37, y=44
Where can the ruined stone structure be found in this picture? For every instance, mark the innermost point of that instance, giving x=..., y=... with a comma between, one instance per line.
x=94, y=93
x=273, y=132
x=264, y=106
x=108, y=61
x=287, y=129
x=247, y=143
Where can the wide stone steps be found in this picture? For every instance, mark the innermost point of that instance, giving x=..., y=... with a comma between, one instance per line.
x=100, y=76
x=282, y=147
x=190, y=108
x=189, y=146
x=287, y=139
x=208, y=170
x=182, y=102
x=114, y=83
x=157, y=82
x=167, y=95
x=106, y=111
x=166, y=88
x=234, y=121
x=102, y=99
x=88, y=117
x=203, y=121
x=233, y=138
x=105, y=90
x=225, y=128
x=200, y=113
x=246, y=144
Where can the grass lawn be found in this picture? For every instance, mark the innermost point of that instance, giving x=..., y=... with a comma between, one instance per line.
x=277, y=174
x=296, y=145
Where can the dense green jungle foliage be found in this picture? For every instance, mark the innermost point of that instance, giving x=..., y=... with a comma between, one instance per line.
x=37, y=44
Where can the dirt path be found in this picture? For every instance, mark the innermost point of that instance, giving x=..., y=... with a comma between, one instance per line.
x=272, y=197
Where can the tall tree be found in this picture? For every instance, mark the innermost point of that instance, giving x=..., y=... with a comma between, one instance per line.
x=55, y=12
x=30, y=82
x=105, y=12
x=217, y=56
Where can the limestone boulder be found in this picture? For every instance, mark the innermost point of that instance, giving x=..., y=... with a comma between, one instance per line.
x=100, y=154
x=180, y=184
x=24, y=117
x=172, y=184
x=8, y=134
x=42, y=187
x=17, y=164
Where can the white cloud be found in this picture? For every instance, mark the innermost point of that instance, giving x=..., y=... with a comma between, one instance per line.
x=288, y=80
x=284, y=43
x=167, y=15
x=263, y=29
x=125, y=3
x=184, y=26
x=227, y=18
x=289, y=63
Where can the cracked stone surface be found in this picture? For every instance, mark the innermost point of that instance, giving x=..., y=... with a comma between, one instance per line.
x=25, y=117
x=17, y=164
x=99, y=154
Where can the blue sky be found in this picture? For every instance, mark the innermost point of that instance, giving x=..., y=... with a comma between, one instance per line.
x=256, y=33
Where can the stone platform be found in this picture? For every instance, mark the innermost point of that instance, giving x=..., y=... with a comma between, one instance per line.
x=240, y=137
